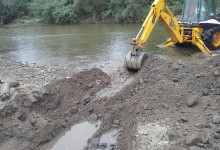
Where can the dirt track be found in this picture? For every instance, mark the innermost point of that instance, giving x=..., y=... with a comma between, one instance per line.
x=166, y=105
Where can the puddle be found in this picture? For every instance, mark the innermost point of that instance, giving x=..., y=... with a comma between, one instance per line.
x=108, y=141
x=75, y=139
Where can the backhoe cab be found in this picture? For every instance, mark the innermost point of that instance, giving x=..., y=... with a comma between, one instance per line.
x=199, y=25
x=196, y=11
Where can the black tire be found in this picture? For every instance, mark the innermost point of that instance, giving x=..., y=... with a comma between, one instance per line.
x=211, y=38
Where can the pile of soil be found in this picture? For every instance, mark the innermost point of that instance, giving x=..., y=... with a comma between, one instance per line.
x=181, y=99
x=168, y=105
x=34, y=116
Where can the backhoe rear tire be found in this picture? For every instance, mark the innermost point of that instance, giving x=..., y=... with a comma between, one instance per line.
x=211, y=38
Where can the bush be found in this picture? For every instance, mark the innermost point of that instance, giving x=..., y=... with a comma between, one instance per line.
x=177, y=7
x=53, y=11
x=10, y=9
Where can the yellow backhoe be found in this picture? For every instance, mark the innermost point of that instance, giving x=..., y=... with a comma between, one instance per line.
x=199, y=26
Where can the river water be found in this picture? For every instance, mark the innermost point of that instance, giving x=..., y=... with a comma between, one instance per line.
x=78, y=44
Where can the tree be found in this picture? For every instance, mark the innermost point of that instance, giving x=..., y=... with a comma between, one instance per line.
x=134, y=11
x=73, y=11
x=11, y=9
x=54, y=11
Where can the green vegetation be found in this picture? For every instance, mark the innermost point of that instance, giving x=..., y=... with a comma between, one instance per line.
x=74, y=11
x=11, y=9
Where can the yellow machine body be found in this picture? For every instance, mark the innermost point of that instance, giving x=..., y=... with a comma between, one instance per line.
x=177, y=32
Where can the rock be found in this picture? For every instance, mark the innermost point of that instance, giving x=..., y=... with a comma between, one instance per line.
x=146, y=107
x=116, y=122
x=177, y=65
x=201, y=145
x=205, y=141
x=206, y=125
x=178, y=104
x=216, y=135
x=86, y=100
x=216, y=119
x=175, y=80
x=216, y=73
x=74, y=111
x=192, y=100
x=205, y=92
x=198, y=75
x=113, y=147
x=93, y=118
x=217, y=130
x=4, y=97
x=164, y=105
x=115, y=126
x=90, y=109
x=141, y=80
x=78, y=102
x=14, y=84
x=183, y=120
x=98, y=82
x=90, y=85
x=103, y=145
x=37, y=95
x=21, y=116
x=33, y=121
x=45, y=91
x=20, y=127
x=193, y=140
x=4, y=92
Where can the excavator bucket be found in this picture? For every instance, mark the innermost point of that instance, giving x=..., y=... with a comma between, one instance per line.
x=135, y=61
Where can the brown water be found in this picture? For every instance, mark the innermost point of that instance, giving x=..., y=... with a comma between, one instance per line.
x=78, y=44
x=75, y=139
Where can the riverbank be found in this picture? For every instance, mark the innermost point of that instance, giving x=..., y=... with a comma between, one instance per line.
x=166, y=105
x=38, y=22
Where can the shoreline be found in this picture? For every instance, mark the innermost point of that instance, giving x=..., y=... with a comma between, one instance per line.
x=33, y=22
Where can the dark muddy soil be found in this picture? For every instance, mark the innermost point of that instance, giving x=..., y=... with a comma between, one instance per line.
x=35, y=116
x=165, y=106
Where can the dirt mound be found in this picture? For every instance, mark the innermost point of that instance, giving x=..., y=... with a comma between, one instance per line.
x=33, y=117
x=182, y=97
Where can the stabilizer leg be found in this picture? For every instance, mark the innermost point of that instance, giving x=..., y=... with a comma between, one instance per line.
x=201, y=45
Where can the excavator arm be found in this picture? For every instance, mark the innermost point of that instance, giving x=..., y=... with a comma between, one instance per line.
x=136, y=57
x=160, y=12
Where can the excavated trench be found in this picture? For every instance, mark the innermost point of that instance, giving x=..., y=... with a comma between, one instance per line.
x=166, y=105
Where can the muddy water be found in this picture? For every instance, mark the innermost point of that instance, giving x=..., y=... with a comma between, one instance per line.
x=77, y=44
x=75, y=139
